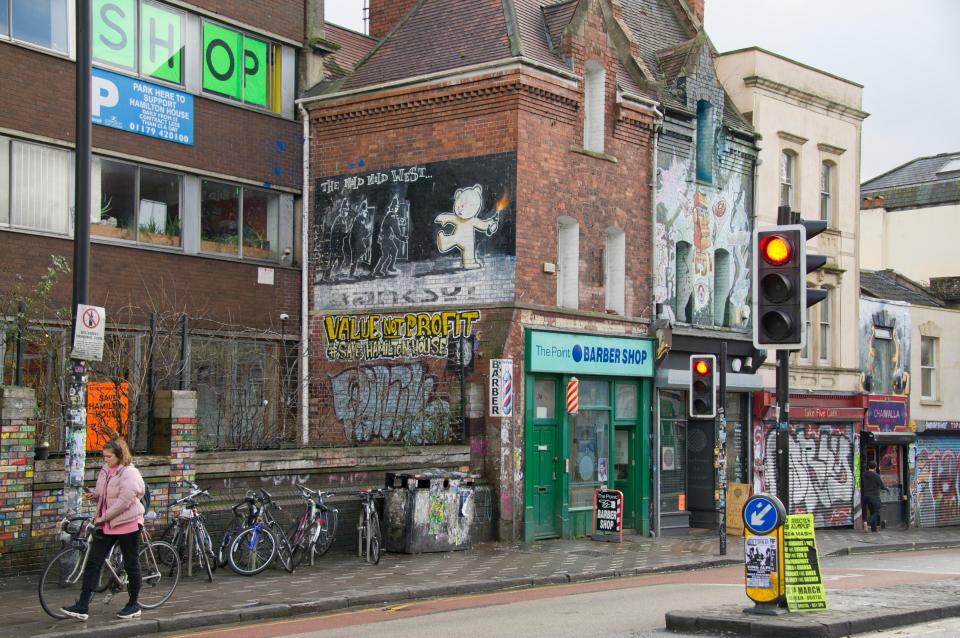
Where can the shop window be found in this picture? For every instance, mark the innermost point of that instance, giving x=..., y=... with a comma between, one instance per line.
x=593, y=100
x=545, y=399
x=39, y=187
x=721, y=287
x=673, y=451
x=240, y=67
x=143, y=37
x=684, y=298
x=135, y=203
x=614, y=270
x=238, y=220
x=589, y=450
x=626, y=401
x=44, y=23
x=568, y=262
x=928, y=368
x=705, y=141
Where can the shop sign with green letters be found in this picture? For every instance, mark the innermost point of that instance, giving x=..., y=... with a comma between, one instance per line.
x=234, y=65
x=115, y=40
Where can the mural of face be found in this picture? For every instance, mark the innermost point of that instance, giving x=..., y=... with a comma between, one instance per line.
x=467, y=201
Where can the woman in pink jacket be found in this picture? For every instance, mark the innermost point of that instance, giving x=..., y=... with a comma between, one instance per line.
x=118, y=520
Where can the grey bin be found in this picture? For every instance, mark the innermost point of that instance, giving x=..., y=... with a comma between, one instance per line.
x=429, y=510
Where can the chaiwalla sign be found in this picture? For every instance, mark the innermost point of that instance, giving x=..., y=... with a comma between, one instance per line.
x=589, y=354
x=377, y=336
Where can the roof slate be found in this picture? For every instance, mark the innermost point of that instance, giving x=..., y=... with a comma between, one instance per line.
x=656, y=26
x=557, y=17
x=920, y=170
x=884, y=284
x=353, y=47
x=437, y=35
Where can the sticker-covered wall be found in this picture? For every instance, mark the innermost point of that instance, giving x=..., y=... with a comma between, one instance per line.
x=435, y=234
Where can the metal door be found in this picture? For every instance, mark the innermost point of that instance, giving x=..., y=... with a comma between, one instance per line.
x=938, y=481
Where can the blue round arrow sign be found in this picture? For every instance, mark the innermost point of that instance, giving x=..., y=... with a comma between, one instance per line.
x=763, y=513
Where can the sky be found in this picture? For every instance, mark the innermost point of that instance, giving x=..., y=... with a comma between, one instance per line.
x=905, y=54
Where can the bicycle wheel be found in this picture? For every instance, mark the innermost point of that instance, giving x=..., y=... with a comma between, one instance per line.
x=328, y=531
x=115, y=558
x=299, y=541
x=223, y=550
x=252, y=551
x=61, y=582
x=159, y=573
x=205, y=549
x=374, y=538
x=284, y=550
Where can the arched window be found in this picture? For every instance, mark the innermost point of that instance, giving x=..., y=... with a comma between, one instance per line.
x=614, y=266
x=684, y=282
x=568, y=262
x=721, y=287
x=788, y=161
x=705, y=141
x=593, y=106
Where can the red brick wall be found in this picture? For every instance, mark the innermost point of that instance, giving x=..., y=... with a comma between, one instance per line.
x=384, y=15
x=228, y=140
x=213, y=289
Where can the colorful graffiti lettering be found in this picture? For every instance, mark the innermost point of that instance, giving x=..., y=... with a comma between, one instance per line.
x=821, y=475
x=420, y=334
x=390, y=402
x=938, y=487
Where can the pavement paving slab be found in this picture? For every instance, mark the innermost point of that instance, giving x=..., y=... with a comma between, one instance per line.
x=340, y=581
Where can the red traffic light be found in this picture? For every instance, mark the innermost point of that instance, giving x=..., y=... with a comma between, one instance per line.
x=701, y=367
x=776, y=249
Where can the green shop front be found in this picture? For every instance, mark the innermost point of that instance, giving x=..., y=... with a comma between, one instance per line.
x=605, y=443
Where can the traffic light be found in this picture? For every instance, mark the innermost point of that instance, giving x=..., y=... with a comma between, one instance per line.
x=703, y=386
x=780, y=293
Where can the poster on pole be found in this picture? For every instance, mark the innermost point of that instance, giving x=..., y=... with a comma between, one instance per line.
x=501, y=387
x=88, y=333
x=760, y=554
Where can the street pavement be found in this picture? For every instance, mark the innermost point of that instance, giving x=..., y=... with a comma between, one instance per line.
x=340, y=581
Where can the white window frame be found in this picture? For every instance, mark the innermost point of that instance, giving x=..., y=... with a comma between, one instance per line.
x=568, y=262
x=788, y=177
x=824, y=330
x=594, y=106
x=934, y=394
x=68, y=50
x=804, y=353
x=828, y=172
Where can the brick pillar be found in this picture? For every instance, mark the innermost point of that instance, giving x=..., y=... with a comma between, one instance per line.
x=17, y=437
x=175, y=412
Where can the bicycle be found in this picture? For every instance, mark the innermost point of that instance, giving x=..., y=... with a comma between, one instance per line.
x=314, y=530
x=255, y=548
x=368, y=527
x=188, y=532
x=62, y=579
x=240, y=523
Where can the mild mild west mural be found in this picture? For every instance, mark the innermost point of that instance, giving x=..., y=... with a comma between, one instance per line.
x=702, y=246
x=432, y=234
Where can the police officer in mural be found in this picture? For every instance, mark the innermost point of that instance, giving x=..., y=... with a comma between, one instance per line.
x=872, y=484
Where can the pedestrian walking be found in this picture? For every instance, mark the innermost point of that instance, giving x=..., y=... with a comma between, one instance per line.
x=118, y=520
x=872, y=484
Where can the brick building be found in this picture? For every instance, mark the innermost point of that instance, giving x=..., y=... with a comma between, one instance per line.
x=480, y=191
x=197, y=174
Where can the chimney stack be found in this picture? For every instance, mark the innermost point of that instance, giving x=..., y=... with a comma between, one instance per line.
x=696, y=6
x=385, y=14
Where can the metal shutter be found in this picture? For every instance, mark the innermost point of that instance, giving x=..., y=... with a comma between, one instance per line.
x=938, y=481
x=821, y=471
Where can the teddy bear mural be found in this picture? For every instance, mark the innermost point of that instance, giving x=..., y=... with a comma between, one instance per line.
x=459, y=227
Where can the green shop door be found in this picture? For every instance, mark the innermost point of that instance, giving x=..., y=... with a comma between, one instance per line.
x=626, y=472
x=543, y=459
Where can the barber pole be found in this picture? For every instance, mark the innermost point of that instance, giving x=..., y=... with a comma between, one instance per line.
x=573, y=395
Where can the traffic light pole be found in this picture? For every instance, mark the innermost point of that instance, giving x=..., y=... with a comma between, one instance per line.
x=783, y=435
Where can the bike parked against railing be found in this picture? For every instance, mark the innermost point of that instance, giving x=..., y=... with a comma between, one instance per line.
x=312, y=534
x=255, y=548
x=188, y=532
x=241, y=521
x=62, y=579
x=368, y=527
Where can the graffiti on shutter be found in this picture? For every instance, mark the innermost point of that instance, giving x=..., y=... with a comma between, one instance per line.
x=938, y=481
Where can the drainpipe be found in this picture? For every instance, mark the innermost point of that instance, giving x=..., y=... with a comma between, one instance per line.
x=655, y=407
x=304, y=302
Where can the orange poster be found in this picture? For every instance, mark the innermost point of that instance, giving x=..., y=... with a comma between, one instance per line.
x=108, y=410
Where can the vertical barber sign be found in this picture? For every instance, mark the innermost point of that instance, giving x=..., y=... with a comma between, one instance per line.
x=501, y=387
